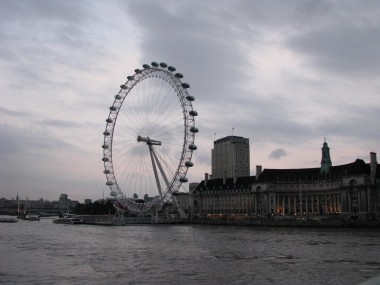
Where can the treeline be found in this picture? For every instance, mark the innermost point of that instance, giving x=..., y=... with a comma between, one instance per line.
x=96, y=208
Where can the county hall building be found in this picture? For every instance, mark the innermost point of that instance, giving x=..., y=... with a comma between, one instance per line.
x=347, y=191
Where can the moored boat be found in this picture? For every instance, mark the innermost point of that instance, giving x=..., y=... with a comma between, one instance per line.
x=7, y=220
x=31, y=218
x=68, y=220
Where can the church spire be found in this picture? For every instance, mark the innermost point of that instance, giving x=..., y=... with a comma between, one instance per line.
x=326, y=160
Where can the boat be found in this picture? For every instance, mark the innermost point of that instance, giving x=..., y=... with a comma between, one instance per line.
x=31, y=218
x=68, y=220
x=22, y=212
x=8, y=220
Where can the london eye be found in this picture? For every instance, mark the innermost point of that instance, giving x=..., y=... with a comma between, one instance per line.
x=149, y=139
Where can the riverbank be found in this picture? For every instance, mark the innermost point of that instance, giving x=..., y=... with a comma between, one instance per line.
x=332, y=222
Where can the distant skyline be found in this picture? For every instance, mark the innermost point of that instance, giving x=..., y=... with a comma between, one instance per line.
x=285, y=74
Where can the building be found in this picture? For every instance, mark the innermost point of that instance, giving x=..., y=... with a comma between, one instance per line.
x=87, y=201
x=230, y=157
x=221, y=198
x=182, y=200
x=350, y=191
x=22, y=207
x=193, y=185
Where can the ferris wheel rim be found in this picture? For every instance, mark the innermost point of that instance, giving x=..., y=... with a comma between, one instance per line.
x=174, y=80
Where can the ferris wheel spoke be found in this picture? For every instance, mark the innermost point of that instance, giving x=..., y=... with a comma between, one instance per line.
x=167, y=132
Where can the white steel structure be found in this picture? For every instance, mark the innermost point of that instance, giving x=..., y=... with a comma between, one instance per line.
x=149, y=138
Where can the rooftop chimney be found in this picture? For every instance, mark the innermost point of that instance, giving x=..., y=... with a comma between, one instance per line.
x=206, y=178
x=373, y=167
x=259, y=169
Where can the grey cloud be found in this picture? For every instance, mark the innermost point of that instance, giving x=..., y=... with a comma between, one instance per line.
x=265, y=119
x=353, y=125
x=193, y=36
x=61, y=123
x=59, y=40
x=277, y=153
x=347, y=44
x=42, y=9
x=6, y=111
x=206, y=40
x=18, y=142
x=219, y=86
x=343, y=50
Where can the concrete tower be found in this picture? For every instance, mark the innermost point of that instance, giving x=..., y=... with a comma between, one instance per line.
x=230, y=157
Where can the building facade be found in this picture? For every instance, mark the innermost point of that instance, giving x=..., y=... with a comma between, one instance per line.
x=222, y=198
x=230, y=157
x=351, y=191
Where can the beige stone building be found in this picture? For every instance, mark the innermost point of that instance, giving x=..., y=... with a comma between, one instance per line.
x=349, y=191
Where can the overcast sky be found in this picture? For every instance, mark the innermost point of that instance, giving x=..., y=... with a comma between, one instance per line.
x=285, y=74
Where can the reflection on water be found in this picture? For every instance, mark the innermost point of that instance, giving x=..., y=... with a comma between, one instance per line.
x=47, y=253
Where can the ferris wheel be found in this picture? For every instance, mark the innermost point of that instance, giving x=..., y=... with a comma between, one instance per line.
x=149, y=138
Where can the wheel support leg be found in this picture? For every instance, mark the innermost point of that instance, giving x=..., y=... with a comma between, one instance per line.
x=155, y=170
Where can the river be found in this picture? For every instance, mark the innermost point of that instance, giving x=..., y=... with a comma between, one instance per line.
x=41, y=252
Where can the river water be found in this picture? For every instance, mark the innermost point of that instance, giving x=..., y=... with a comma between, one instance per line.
x=47, y=253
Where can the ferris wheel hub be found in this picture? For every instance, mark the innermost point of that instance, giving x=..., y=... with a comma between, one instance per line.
x=148, y=140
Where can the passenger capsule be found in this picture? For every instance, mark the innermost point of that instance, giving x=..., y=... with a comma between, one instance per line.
x=113, y=108
x=106, y=133
x=106, y=171
x=163, y=65
x=183, y=179
x=190, y=98
x=171, y=68
x=123, y=86
x=193, y=113
x=118, y=97
x=146, y=66
x=155, y=64
x=130, y=77
x=194, y=130
x=109, y=120
x=105, y=159
x=137, y=70
x=178, y=75
x=185, y=85
x=109, y=183
x=112, y=193
x=105, y=146
x=189, y=164
x=192, y=147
